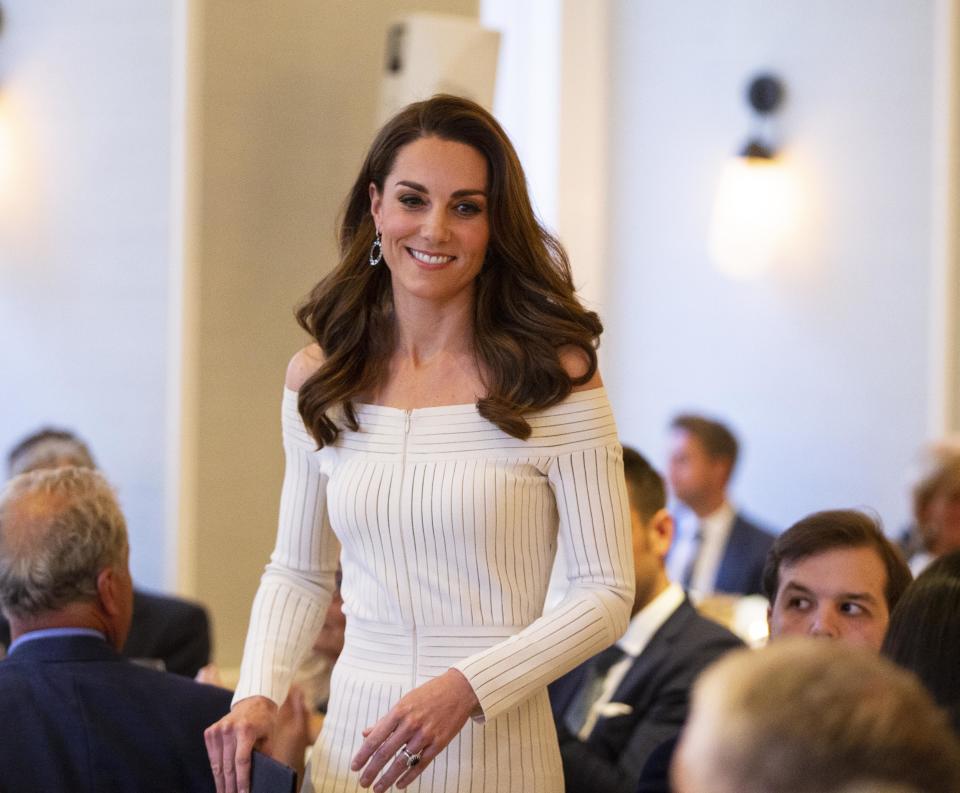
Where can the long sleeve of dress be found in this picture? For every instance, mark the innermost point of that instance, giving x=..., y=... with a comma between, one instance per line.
x=298, y=583
x=594, y=532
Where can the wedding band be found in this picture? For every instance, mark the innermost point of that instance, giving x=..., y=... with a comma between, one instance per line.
x=411, y=759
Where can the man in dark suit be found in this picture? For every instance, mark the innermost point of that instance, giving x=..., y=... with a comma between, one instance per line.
x=717, y=548
x=168, y=630
x=78, y=716
x=615, y=709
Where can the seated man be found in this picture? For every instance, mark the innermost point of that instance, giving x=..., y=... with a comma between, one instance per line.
x=167, y=629
x=801, y=716
x=616, y=708
x=717, y=548
x=834, y=574
x=78, y=716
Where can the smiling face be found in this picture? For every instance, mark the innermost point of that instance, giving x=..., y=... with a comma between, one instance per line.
x=433, y=216
x=836, y=594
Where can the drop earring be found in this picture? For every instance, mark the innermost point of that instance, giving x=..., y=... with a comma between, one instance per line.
x=376, y=250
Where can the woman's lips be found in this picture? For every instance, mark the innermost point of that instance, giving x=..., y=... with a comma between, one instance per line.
x=430, y=259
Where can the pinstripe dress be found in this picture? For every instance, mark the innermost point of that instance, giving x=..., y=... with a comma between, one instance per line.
x=447, y=529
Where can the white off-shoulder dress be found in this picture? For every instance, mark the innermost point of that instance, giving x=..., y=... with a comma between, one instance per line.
x=447, y=528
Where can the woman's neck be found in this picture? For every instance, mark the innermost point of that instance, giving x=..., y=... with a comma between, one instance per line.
x=433, y=360
x=427, y=329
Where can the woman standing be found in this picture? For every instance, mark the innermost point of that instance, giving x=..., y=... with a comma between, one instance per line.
x=463, y=433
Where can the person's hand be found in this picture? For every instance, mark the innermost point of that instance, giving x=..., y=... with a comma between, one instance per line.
x=291, y=734
x=231, y=741
x=210, y=675
x=424, y=722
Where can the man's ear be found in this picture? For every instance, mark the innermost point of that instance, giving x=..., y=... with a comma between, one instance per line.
x=723, y=468
x=108, y=591
x=661, y=532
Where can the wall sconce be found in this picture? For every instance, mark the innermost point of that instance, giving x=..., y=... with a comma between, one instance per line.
x=754, y=206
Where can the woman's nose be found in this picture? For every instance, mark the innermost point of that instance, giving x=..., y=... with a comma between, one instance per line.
x=435, y=226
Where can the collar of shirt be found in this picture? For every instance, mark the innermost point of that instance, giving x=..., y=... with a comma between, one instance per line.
x=715, y=529
x=718, y=521
x=649, y=620
x=49, y=633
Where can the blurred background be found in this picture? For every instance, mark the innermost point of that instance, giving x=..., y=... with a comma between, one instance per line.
x=171, y=173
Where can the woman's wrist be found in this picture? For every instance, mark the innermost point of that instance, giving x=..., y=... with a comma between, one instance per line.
x=469, y=695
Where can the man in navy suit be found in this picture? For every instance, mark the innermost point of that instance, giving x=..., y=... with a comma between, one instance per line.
x=717, y=549
x=77, y=715
x=615, y=709
x=165, y=629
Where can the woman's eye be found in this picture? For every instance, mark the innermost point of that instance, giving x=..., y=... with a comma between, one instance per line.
x=468, y=209
x=411, y=200
x=852, y=609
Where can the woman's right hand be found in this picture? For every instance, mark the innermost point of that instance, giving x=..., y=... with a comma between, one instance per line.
x=231, y=741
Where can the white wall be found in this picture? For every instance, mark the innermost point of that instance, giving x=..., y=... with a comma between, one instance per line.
x=85, y=213
x=823, y=366
x=285, y=106
x=527, y=94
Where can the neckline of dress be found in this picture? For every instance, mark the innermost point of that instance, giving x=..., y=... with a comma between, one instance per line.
x=461, y=407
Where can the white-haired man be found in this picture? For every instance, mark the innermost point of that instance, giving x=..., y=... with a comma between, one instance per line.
x=86, y=719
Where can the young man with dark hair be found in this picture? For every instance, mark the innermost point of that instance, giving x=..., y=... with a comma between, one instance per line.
x=834, y=574
x=717, y=548
x=616, y=708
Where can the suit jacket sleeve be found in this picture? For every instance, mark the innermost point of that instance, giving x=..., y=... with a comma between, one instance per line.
x=172, y=629
x=190, y=651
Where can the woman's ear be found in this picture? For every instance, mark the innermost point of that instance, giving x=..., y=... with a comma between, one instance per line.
x=376, y=204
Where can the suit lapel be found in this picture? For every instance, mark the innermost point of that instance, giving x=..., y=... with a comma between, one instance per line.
x=653, y=658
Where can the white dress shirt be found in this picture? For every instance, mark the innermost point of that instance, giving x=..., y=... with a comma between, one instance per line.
x=703, y=540
x=639, y=632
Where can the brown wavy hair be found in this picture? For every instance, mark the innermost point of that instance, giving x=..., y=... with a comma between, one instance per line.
x=526, y=309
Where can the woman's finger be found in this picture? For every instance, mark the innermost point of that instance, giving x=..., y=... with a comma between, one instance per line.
x=385, y=753
x=228, y=760
x=373, y=737
x=426, y=757
x=231, y=740
x=212, y=738
x=246, y=740
x=401, y=766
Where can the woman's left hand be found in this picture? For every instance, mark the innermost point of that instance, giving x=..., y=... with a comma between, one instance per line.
x=423, y=722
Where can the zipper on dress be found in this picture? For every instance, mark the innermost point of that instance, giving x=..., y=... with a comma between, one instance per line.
x=403, y=470
x=403, y=452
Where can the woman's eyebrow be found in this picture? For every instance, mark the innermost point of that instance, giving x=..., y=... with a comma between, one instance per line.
x=456, y=193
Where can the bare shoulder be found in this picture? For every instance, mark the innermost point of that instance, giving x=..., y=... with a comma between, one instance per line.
x=302, y=366
x=576, y=363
